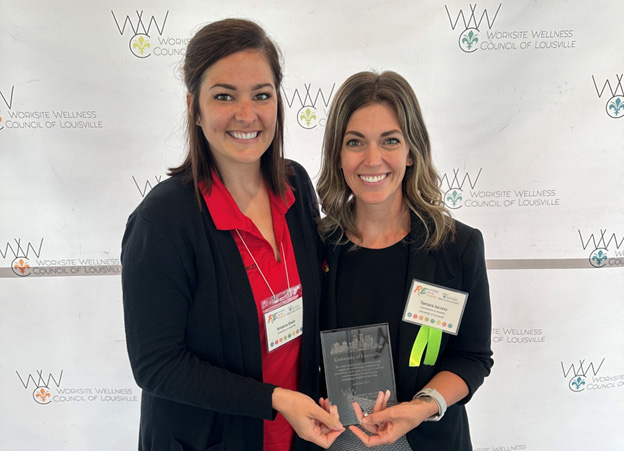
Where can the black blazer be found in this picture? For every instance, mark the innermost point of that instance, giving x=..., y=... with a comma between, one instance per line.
x=192, y=326
x=459, y=264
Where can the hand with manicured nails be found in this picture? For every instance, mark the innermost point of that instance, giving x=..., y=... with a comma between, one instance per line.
x=388, y=424
x=310, y=421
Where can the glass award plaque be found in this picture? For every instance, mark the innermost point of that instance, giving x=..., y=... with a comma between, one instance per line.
x=358, y=365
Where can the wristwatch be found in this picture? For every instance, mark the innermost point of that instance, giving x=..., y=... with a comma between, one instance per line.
x=437, y=397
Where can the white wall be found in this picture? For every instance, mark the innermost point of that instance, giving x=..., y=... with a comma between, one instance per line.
x=527, y=129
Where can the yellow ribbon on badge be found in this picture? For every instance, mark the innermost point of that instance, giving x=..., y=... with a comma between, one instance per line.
x=430, y=338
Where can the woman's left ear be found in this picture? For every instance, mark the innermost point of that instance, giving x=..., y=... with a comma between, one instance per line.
x=410, y=161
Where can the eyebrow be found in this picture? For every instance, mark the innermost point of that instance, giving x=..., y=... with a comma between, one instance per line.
x=358, y=134
x=233, y=88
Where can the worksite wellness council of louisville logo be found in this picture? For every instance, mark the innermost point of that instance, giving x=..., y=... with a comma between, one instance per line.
x=460, y=190
x=15, y=119
x=475, y=23
x=606, y=249
x=41, y=385
x=453, y=186
x=147, y=36
x=470, y=37
x=25, y=259
x=591, y=376
x=21, y=251
x=7, y=101
x=311, y=107
x=48, y=387
x=614, y=105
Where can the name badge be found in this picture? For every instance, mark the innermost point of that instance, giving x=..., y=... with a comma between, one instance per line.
x=283, y=317
x=435, y=306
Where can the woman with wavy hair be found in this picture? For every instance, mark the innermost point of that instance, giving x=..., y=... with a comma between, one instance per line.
x=386, y=225
x=221, y=269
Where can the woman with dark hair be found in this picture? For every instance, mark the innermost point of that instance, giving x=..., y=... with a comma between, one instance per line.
x=386, y=225
x=221, y=269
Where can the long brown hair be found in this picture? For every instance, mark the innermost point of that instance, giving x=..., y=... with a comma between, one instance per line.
x=210, y=44
x=421, y=183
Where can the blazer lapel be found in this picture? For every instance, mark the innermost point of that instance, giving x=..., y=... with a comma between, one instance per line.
x=421, y=266
x=332, y=257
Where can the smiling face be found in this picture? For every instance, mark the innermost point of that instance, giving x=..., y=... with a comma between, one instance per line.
x=238, y=109
x=374, y=156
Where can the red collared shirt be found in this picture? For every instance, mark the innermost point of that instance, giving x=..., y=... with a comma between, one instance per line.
x=280, y=367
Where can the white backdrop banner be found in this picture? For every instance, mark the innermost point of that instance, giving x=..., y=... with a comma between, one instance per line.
x=524, y=102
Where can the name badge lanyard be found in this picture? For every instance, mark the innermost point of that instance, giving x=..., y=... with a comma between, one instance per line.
x=430, y=338
x=283, y=312
x=275, y=298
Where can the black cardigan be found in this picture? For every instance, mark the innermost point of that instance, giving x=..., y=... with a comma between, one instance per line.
x=192, y=325
x=460, y=265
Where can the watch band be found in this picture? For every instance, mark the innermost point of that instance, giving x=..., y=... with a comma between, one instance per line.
x=437, y=397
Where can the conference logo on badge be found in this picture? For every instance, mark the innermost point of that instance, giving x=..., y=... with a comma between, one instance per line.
x=41, y=385
x=605, y=250
x=454, y=196
x=615, y=104
x=141, y=44
x=470, y=37
x=312, y=108
x=7, y=99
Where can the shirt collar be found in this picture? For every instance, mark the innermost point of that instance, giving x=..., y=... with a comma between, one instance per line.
x=226, y=214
